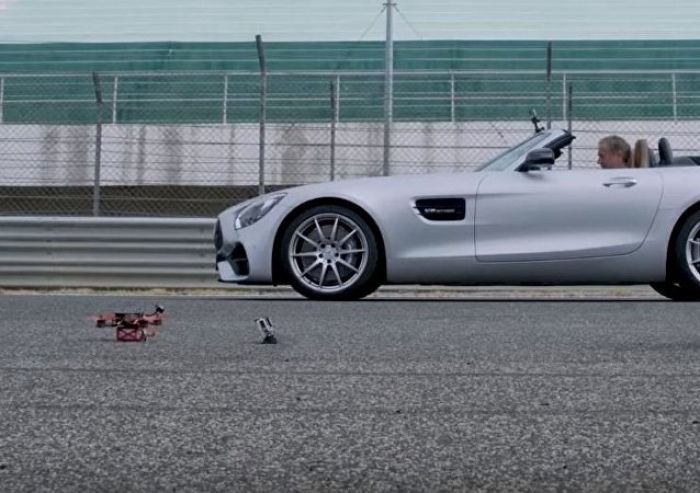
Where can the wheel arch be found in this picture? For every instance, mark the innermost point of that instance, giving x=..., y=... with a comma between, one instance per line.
x=670, y=274
x=277, y=271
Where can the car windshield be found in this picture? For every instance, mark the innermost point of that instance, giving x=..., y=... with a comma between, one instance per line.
x=507, y=158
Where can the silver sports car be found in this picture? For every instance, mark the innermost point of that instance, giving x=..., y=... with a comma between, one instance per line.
x=517, y=220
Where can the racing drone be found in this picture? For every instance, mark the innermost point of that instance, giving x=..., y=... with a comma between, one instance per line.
x=134, y=326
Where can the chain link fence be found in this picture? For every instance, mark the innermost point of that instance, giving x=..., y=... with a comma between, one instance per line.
x=192, y=144
x=636, y=105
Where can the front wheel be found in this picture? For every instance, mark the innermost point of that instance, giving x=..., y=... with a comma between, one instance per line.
x=329, y=252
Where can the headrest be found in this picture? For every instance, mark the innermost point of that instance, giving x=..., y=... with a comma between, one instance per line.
x=641, y=154
x=653, y=162
x=665, y=152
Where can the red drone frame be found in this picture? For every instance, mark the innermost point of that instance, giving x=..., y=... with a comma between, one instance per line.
x=132, y=327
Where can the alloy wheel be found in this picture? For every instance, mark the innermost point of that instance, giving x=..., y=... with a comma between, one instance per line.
x=692, y=251
x=328, y=252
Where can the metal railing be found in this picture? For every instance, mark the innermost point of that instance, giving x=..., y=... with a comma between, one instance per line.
x=229, y=97
x=44, y=252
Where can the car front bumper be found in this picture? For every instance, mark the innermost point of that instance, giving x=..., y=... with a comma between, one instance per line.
x=243, y=256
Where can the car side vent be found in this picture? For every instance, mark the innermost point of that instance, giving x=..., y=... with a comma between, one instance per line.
x=448, y=209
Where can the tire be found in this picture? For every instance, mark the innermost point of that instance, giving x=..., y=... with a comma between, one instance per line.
x=674, y=291
x=685, y=262
x=329, y=252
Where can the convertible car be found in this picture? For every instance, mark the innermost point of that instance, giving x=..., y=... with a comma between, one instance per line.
x=516, y=220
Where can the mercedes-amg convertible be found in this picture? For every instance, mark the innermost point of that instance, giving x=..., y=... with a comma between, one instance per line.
x=517, y=220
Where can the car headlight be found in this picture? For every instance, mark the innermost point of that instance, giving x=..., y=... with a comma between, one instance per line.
x=252, y=213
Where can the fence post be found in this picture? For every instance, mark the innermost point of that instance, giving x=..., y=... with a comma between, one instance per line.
x=225, y=115
x=335, y=85
x=452, y=97
x=2, y=97
x=98, y=145
x=675, y=96
x=263, y=113
x=115, y=95
x=549, y=84
x=569, y=116
x=563, y=97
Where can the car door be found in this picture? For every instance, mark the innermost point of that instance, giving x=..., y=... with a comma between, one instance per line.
x=559, y=215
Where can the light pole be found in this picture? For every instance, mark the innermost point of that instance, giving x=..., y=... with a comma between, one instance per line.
x=388, y=84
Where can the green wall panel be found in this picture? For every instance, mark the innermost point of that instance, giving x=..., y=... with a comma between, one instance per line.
x=52, y=83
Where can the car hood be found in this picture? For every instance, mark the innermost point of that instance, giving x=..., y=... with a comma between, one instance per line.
x=376, y=194
x=381, y=188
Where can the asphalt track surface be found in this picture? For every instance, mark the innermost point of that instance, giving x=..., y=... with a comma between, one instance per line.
x=383, y=395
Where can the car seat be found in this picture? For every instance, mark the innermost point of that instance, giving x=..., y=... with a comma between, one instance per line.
x=641, y=154
x=653, y=161
x=666, y=156
x=665, y=152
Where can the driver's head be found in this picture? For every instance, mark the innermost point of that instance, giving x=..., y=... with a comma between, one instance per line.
x=614, y=152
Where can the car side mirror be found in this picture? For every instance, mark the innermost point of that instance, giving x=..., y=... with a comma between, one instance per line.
x=537, y=159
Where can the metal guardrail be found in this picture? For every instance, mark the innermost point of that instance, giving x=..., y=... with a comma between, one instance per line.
x=64, y=252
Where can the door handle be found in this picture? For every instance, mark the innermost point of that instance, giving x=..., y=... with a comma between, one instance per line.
x=622, y=183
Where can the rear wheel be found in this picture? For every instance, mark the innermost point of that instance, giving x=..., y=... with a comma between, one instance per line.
x=685, y=264
x=674, y=291
x=331, y=253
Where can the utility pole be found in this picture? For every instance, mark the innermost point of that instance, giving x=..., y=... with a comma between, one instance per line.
x=388, y=83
